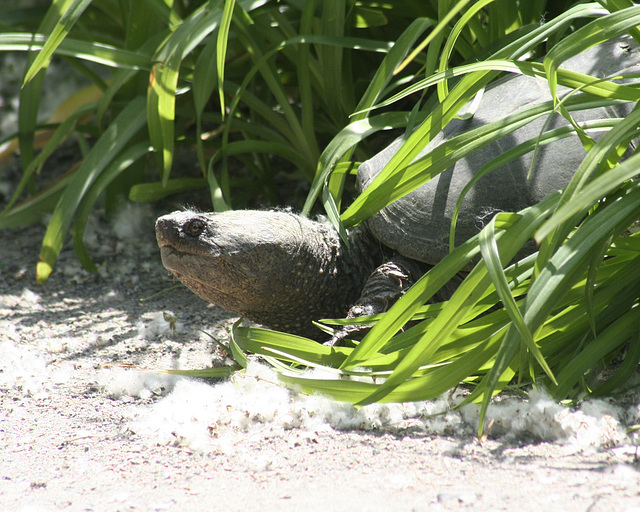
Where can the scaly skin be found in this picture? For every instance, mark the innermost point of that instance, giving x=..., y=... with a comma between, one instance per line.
x=275, y=268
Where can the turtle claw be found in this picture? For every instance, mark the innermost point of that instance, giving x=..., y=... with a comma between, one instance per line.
x=385, y=285
x=348, y=331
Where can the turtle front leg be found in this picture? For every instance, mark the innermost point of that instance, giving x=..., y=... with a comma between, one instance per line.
x=382, y=289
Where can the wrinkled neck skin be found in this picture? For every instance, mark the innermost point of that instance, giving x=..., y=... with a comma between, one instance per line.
x=275, y=268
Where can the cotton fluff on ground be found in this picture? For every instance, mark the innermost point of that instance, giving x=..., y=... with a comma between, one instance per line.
x=26, y=368
x=215, y=418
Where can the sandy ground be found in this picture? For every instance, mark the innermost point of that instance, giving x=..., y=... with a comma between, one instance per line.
x=77, y=436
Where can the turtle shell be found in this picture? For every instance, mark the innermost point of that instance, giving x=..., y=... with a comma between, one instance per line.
x=417, y=225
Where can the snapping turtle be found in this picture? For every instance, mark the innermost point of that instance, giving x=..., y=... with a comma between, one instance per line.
x=284, y=271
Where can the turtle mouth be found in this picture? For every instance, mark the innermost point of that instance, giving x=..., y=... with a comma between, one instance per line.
x=183, y=264
x=184, y=267
x=172, y=258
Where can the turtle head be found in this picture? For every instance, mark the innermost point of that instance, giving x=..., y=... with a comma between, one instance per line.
x=273, y=267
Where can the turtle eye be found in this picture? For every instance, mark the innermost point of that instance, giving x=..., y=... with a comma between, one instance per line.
x=194, y=227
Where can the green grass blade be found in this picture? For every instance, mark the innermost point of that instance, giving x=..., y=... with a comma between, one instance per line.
x=238, y=355
x=304, y=66
x=90, y=51
x=205, y=75
x=346, y=139
x=591, y=193
x=60, y=134
x=36, y=208
x=572, y=79
x=338, y=389
x=332, y=20
x=626, y=370
x=618, y=5
x=30, y=95
x=121, y=130
x=161, y=112
x=68, y=15
x=120, y=79
x=221, y=49
x=149, y=192
x=264, y=341
x=618, y=333
x=218, y=195
x=491, y=256
x=598, y=31
x=450, y=14
x=117, y=166
x=453, y=36
x=220, y=372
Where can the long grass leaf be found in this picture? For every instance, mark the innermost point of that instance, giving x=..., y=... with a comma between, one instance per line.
x=591, y=193
x=117, y=166
x=261, y=341
x=60, y=133
x=69, y=14
x=450, y=14
x=572, y=79
x=123, y=128
x=221, y=49
x=615, y=335
x=36, y=208
x=491, y=256
x=90, y=51
x=332, y=20
x=447, y=49
x=205, y=75
x=219, y=372
x=618, y=5
x=304, y=66
x=347, y=138
x=597, y=31
x=148, y=192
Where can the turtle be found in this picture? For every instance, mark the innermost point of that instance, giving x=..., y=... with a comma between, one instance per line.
x=285, y=271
